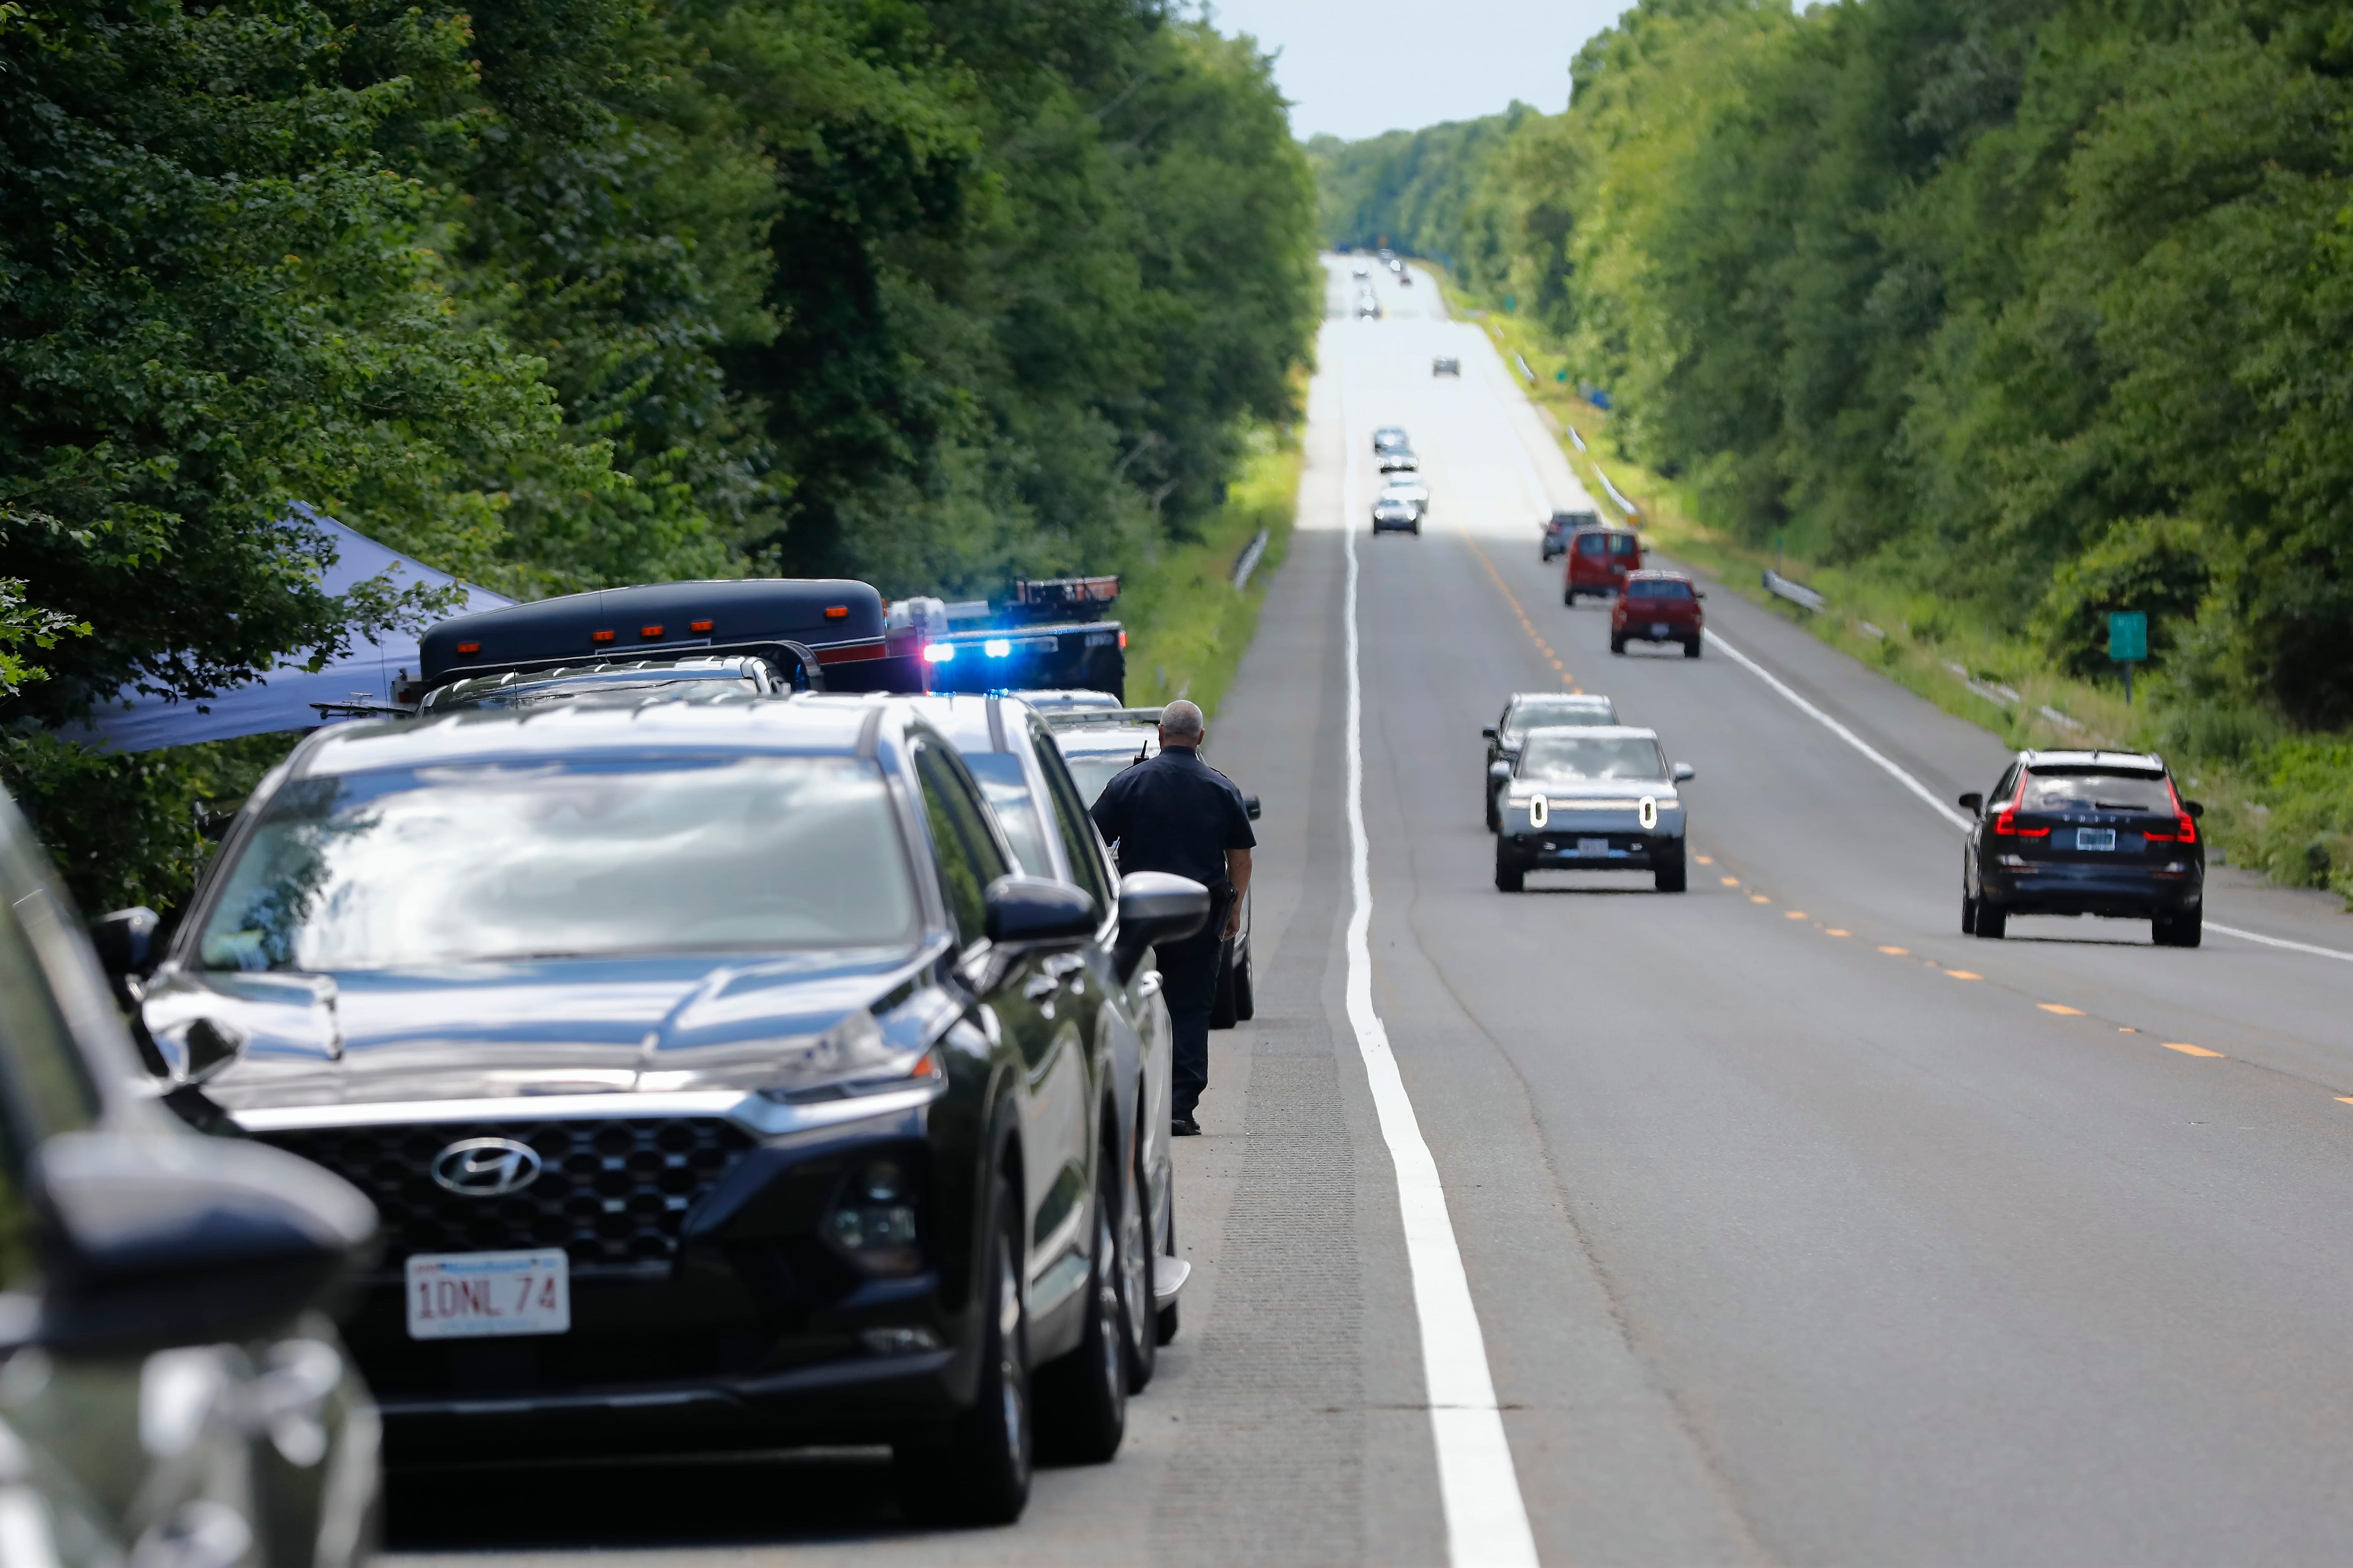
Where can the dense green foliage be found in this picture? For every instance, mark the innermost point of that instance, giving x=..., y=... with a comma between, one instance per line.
x=2046, y=305
x=562, y=293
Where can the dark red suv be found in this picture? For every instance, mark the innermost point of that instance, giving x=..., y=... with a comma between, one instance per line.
x=1657, y=607
x=1598, y=559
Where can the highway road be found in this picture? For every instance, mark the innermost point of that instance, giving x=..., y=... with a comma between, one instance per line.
x=1776, y=1221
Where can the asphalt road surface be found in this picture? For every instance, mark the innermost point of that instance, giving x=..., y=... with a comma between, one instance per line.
x=1798, y=1226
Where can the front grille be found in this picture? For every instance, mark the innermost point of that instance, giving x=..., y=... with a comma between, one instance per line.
x=612, y=1193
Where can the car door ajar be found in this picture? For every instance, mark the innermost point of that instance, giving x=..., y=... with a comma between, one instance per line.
x=1024, y=996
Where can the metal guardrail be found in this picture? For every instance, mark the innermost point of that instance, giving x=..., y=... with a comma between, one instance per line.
x=1522, y=360
x=1628, y=508
x=1248, y=561
x=1575, y=439
x=1789, y=588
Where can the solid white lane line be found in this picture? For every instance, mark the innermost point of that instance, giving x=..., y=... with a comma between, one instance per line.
x=1947, y=813
x=1486, y=1519
x=1841, y=731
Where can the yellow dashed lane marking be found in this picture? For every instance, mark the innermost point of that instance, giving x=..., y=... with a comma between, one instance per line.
x=1834, y=931
x=1514, y=600
x=1964, y=974
x=1705, y=859
x=1730, y=881
x=1758, y=899
x=1898, y=952
x=2188, y=1050
x=1793, y=914
x=2063, y=1012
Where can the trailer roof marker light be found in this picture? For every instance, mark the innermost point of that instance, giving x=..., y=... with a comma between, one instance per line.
x=600, y=636
x=837, y=612
x=699, y=625
x=469, y=647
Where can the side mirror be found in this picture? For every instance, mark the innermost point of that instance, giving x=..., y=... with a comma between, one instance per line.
x=1699, y=596
x=1038, y=908
x=1974, y=804
x=175, y=1239
x=125, y=941
x=1488, y=733
x=1684, y=773
x=2193, y=809
x=1249, y=807
x=1155, y=907
x=1499, y=770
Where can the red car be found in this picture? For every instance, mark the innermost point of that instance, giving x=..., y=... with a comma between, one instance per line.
x=1657, y=607
x=1598, y=559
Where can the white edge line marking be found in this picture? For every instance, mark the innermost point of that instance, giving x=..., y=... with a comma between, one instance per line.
x=1947, y=812
x=1486, y=1519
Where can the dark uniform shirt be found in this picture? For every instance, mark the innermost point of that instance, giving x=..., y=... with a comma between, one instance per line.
x=1174, y=813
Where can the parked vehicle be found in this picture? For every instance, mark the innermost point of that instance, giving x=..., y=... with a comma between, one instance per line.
x=175, y=1392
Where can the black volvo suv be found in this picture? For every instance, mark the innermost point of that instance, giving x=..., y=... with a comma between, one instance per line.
x=2086, y=832
x=719, y=1081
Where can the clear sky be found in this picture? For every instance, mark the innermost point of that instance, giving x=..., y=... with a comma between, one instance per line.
x=1370, y=66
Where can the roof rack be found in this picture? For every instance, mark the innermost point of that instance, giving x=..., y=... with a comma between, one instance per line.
x=1074, y=718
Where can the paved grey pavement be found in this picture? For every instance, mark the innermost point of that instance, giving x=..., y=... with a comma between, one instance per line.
x=1801, y=1227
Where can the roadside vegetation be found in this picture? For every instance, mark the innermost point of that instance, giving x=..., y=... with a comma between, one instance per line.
x=1984, y=321
x=561, y=294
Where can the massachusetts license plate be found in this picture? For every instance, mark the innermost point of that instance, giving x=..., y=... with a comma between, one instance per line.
x=2096, y=839
x=1593, y=847
x=481, y=1295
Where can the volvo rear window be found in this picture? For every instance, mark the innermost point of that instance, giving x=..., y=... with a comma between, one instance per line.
x=2087, y=791
x=564, y=859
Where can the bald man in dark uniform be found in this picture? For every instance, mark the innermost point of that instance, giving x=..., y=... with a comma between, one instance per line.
x=1176, y=812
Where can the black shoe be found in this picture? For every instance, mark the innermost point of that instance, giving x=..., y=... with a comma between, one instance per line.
x=1185, y=1127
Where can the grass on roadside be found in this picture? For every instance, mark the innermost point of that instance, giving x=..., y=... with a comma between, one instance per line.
x=1187, y=624
x=2277, y=802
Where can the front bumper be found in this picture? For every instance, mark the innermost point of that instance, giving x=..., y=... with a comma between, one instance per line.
x=1564, y=846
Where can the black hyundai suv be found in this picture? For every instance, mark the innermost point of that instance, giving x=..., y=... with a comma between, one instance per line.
x=719, y=1081
x=2086, y=832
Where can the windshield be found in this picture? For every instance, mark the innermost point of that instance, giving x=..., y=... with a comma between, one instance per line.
x=2095, y=792
x=1556, y=758
x=999, y=773
x=1544, y=714
x=567, y=859
x=1092, y=770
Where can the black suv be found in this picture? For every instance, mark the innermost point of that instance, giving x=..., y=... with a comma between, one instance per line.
x=720, y=1079
x=2086, y=832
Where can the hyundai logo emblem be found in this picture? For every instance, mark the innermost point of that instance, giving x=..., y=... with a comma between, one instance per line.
x=487, y=1167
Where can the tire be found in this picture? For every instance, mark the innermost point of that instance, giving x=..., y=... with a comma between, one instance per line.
x=1993, y=921
x=1138, y=1328
x=2184, y=929
x=1167, y=1323
x=1670, y=878
x=1968, y=915
x=1245, y=998
x=1618, y=645
x=1417, y=530
x=974, y=1469
x=1082, y=1396
x=1691, y=648
x=1509, y=878
x=1494, y=816
x=1568, y=598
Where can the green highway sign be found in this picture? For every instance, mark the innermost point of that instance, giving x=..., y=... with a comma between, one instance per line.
x=2128, y=636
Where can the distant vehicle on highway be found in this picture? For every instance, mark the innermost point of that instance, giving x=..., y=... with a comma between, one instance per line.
x=1658, y=606
x=1408, y=487
x=1405, y=279
x=1445, y=364
x=1101, y=746
x=1395, y=515
x=2086, y=832
x=1598, y=559
x=721, y=1078
x=1527, y=711
x=1369, y=309
x=1397, y=265
x=1360, y=270
x=1590, y=799
x=1397, y=460
x=1560, y=525
x=1391, y=438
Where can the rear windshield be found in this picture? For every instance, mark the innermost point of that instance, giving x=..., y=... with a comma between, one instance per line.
x=2095, y=792
x=570, y=858
x=1001, y=781
x=1622, y=546
x=1552, y=757
x=667, y=688
x=1658, y=590
x=1542, y=714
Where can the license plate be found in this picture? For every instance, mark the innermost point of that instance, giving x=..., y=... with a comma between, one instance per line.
x=1593, y=847
x=485, y=1295
x=1658, y=628
x=2096, y=839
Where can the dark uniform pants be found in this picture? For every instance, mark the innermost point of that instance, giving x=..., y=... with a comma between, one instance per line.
x=1188, y=979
